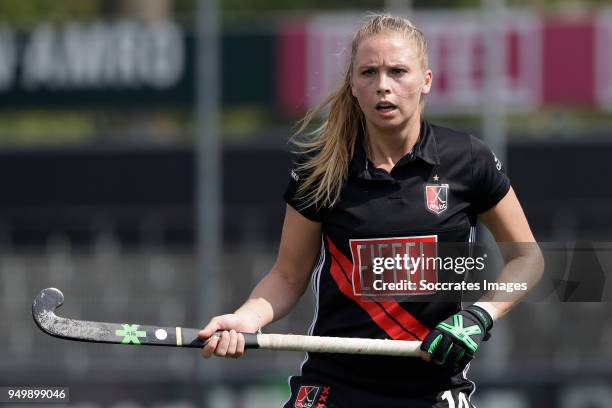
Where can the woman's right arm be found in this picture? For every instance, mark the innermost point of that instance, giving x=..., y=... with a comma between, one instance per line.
x=276, y=294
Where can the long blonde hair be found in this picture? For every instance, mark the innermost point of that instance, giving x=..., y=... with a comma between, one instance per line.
x=330, y=146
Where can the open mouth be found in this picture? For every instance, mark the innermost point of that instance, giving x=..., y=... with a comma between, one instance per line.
x=385, y=107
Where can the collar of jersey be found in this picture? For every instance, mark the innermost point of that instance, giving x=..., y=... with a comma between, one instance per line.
x=425, y=149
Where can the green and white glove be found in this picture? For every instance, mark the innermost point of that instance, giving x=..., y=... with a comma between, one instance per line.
x=454, y=341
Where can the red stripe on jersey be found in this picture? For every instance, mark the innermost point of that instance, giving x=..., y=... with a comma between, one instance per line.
x=388, y=315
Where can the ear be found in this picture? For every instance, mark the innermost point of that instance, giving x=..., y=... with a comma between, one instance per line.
x=428, y=81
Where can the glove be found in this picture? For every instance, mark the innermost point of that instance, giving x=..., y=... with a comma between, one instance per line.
x=453, y=342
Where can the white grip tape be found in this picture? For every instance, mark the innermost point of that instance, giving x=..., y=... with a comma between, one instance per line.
x=317, y=344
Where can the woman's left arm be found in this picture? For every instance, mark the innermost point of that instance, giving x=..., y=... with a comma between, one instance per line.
x=522, y=257
x=455, y=340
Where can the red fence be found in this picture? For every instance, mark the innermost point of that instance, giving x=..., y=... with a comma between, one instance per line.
x=549, y=60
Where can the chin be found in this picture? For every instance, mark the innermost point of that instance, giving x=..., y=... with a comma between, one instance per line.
x=390, y=124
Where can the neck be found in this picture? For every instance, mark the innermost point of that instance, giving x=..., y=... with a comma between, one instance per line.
x=386, y=147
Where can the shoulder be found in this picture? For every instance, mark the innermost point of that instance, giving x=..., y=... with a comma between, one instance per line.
x=299, y=188
x=448, y=133
x=464, y=149
x=301, y=166
x=452, y=143
x=456, y=142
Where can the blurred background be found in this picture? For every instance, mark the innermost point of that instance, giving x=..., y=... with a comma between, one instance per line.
x=143, y=157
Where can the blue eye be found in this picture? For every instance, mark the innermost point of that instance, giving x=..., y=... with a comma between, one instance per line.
x=398, y=71
x=368, y=72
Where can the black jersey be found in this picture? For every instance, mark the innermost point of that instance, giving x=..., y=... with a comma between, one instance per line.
x=431, y=195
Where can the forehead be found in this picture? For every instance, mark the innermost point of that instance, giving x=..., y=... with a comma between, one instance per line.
x=388, y=47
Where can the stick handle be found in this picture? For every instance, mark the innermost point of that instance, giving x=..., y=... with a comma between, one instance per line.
x=319, y=344
x=339, y=345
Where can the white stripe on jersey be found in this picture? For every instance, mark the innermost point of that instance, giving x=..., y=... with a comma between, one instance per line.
x=315, y=278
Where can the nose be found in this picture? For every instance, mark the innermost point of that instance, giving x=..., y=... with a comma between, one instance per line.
x=383, y=85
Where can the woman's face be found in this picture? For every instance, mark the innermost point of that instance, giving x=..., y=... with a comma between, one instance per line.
x=388, y=80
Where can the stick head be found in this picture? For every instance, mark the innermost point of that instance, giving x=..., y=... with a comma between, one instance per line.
x=45, y=304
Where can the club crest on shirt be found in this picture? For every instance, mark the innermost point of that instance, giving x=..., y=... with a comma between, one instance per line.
x=436, y=198
x=306, y=397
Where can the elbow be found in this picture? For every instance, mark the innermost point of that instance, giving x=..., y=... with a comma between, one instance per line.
x=528, y=260
x=536, y=264
x=540, y=262
x=292, y=277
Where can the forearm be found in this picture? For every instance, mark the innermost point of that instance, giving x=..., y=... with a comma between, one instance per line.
x=526, y=267
x=273, y=297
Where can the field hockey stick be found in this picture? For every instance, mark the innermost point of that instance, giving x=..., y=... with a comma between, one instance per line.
x=48, y=300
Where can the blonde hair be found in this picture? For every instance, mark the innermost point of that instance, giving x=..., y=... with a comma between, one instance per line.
x=330, y=146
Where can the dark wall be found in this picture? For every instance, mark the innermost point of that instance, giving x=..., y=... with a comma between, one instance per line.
x=137, y=194
x=149, y=194
x=564, y=188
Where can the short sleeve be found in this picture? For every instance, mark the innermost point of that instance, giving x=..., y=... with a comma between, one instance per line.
x=489, y=181
x=296, y=178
